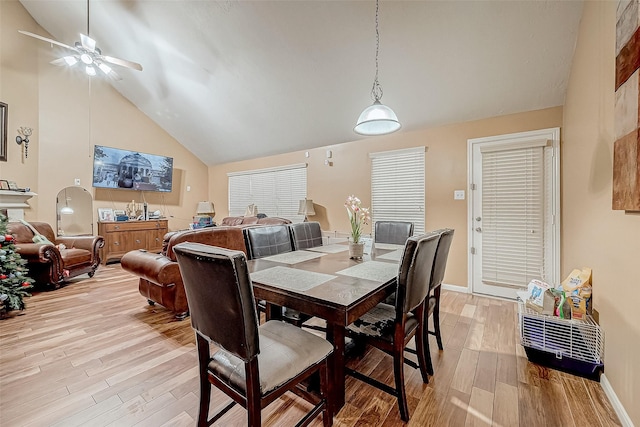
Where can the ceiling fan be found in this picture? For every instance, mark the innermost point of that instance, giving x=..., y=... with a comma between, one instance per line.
x=86, y=53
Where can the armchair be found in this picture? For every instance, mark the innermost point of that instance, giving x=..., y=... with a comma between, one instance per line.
x=160, y=277
x=48, y=264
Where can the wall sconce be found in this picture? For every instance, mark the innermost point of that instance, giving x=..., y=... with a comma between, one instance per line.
x=26, y=133
x=328, y=162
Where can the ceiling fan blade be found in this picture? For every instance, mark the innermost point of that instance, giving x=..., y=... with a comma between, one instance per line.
x=109, y=71
x=88, y=43
x=27, y=33
x=122, y=62
x=59, y=62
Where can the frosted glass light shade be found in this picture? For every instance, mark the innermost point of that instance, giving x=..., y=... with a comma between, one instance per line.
x=70, y=60
x=206, y=208
x=377, y=119
x=66, y=210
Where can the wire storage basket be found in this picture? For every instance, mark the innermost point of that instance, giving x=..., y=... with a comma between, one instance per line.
x=574, y=346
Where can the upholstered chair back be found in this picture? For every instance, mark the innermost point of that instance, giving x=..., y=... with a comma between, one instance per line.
x=220, y=297
x=442, y=253
x=395, y=232
x=414, y=275
x=305, y=235
x=268, y=240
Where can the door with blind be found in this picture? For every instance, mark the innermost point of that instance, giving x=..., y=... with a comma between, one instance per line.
x=514, y=229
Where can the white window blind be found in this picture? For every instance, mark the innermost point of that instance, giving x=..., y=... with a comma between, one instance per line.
x=275, y=191
x=516, y=209
x=397, y=186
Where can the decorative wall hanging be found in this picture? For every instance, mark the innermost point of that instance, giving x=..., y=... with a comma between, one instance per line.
x=626, y=148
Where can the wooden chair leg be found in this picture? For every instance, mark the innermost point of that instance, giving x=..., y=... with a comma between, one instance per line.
x=422, y=347
x=205, y=385
x=398, y=369
x=254, y=409
x=436, y=317
x=327, y=417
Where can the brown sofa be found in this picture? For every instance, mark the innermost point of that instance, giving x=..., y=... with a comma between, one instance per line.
x=48, y=264
x=253, y=220
x=160, y=279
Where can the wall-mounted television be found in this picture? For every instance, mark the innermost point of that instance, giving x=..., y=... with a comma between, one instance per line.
x=131, y=170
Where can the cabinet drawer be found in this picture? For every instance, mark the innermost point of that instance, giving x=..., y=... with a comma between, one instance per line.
x=154, y=240
x=111, y=227
x=137, y=240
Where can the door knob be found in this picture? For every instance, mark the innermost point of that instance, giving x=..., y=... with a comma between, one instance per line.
x=478, y=218
x=478, y=229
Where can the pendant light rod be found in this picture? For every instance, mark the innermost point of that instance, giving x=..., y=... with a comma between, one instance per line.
x=376, y=90
x=377, y=119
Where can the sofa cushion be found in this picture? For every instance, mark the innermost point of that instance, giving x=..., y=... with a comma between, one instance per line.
x=253, y=220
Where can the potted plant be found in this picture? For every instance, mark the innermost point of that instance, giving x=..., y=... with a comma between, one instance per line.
x=358, y=216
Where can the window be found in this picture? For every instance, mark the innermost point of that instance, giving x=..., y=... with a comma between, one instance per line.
x=275, y=191
x=397, y=186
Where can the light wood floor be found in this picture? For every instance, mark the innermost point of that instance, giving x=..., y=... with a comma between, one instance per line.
x=94, y=353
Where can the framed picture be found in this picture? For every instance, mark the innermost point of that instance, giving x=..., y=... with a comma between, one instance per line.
x=12, y=185
x=105, y=214
x=4, y=118
x=4, y=184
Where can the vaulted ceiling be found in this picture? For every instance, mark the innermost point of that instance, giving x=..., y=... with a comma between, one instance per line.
x=232, y=80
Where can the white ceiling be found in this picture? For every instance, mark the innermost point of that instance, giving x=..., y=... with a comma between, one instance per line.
x=233, y=80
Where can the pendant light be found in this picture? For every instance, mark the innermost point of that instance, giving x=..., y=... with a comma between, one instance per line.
x=66, y=209
x=377, y=119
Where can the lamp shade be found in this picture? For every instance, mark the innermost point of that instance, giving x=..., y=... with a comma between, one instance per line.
x=306, y=207
x=205, y=208
x=377, y=119
x=252, y=210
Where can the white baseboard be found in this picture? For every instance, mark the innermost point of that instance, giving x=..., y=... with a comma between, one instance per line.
x=625, y=420
x=455, y=288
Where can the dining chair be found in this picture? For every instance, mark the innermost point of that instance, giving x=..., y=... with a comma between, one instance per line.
x=267, y=240
x=390, y=328
x=305, y=235
x=395, y=232
x=254, y=364
x=433, y=302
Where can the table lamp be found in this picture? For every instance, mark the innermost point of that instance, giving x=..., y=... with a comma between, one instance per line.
x=252, y=210
x=205, y=213
x=306, y=208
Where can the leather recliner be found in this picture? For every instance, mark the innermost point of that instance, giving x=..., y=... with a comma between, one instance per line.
x=52, y=264
x=160, y=278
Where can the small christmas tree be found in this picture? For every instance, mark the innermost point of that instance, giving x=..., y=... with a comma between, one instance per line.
x=14, y=279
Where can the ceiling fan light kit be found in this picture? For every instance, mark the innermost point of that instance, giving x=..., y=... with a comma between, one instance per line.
x=86, y=53
x=377, y=119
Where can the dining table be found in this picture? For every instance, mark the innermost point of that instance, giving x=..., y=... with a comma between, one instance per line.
x=325, y=282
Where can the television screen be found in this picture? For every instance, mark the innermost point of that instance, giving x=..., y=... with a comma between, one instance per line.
x=131, y=170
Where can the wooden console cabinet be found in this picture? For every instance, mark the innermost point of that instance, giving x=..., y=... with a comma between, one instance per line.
x=124, y=236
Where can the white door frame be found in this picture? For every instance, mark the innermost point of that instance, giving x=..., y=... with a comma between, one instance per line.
x=551, y=134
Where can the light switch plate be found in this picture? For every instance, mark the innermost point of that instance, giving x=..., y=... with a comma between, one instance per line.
x=76, y=181
x=458, y=195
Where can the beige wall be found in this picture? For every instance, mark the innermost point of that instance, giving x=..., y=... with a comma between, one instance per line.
x=70, y=113
x=445, y=166
x=593, y=234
